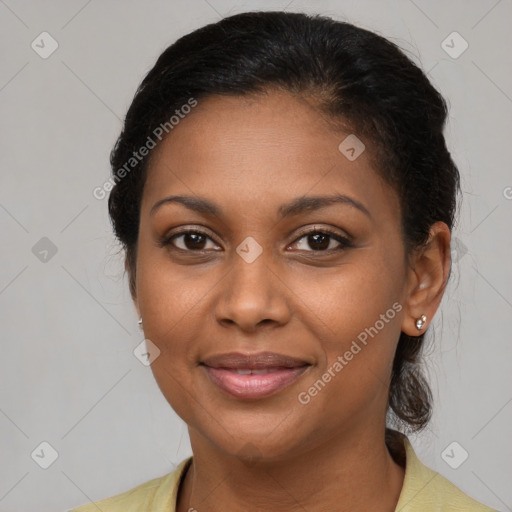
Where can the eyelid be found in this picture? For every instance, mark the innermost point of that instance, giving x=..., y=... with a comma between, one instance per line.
x=170, y=235
x=345, y=237
x=345, y=240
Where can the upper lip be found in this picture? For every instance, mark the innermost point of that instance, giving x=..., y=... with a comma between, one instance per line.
x=237, y=360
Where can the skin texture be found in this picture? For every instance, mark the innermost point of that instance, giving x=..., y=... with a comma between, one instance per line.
x=249, y=156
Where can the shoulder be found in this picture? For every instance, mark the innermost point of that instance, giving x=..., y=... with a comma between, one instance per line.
x=158, y=494
x=426, y=490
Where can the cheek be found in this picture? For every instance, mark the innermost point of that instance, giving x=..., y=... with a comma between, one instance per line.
x=171, y=296
x=355, y=312
x=352, y=297
x=172, y=302
x=352, y=379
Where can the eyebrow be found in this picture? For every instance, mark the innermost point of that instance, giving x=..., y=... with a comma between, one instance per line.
x=309, y=203
x=192, y=203
x=295, y=207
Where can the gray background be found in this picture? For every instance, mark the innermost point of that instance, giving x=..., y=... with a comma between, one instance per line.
x=68, y=373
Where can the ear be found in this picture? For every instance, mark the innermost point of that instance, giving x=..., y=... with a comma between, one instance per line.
x=137, y=309
x=129, y=267
x=429, y=268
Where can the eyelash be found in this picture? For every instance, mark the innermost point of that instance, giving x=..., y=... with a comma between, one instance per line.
x=344, y=242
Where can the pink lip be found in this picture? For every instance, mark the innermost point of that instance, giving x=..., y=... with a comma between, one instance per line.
x=235, y=360
x=254, y=386
x=282, y=371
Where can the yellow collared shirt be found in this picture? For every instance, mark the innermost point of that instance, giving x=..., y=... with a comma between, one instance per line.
x=423, y=490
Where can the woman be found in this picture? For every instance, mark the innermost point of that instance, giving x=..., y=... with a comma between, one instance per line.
x=285, y=198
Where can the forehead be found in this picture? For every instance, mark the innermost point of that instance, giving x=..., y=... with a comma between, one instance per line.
x=241, y=147
x=233, y=127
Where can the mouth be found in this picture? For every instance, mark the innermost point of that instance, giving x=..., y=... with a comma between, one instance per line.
x=253, y=376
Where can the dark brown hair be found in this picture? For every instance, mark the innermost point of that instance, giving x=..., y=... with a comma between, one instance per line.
x=357, y=77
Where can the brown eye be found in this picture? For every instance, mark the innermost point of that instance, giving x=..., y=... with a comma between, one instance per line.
x=191, y=241
x=194, y=241
x=317, y=241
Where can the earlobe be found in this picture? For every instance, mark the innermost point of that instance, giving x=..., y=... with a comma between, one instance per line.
x=420, y=322
x=137, y=309
x=427, y=277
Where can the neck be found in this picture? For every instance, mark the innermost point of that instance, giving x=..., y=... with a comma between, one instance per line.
x=353, y=473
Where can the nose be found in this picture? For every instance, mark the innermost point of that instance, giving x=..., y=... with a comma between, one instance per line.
x=252, y=295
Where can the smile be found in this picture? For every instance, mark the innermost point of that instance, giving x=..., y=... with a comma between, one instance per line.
x=254, y=383
x=252, y=376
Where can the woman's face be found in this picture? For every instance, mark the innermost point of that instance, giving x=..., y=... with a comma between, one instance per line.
x=253, y=281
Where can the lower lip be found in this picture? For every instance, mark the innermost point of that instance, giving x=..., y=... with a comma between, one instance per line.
x=253, y=385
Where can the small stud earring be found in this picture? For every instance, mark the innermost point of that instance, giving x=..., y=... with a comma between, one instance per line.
x=140, y=324
x=420, y=322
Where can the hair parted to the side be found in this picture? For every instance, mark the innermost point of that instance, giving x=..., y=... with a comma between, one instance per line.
x=354, y=76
